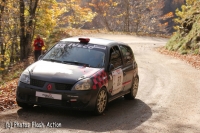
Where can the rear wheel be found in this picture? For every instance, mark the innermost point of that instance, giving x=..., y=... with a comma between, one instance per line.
x=101, y=102
x=134, y=89
x=24, y=105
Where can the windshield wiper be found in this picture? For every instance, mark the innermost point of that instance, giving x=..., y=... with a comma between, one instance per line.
x=53, y=60
x=76, y=63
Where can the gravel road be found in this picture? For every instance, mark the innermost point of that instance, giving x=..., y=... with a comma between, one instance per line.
x=168, y=100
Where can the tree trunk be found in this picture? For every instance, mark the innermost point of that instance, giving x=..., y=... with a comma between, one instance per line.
x=11, y=56
x=26, y=31
x=127, y=17
x=22, y=30
x=1, y=32
x=106, y=23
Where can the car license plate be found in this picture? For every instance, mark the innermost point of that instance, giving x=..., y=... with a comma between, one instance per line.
x=48, y=95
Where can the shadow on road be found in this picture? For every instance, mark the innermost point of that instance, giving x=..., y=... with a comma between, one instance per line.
x=120, y=115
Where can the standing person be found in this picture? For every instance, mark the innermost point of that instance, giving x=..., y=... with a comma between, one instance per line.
x=38, y=44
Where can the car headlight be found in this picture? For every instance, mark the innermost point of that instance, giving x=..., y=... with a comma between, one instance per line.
x=84, y=84
x=25, y=77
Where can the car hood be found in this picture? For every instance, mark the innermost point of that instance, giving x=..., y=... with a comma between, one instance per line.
x=61, y=73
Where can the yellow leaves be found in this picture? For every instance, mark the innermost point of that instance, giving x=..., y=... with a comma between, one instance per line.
x=81, y=16
x=93, y=5
x=168, y=15
x=1, y=57
x=118, y=16
x=144, y=27
x=163, y=25
x=186, y=11
x=44, y=48
x=176, y=27
x=114, y=4
x=47, y=16
x=76, y=14
x=176, y=20
x=136, y=20
x=2, y=3
x=118, y=22
x=70, y=19
x=166, y=23
x=190, y=2
x=103, y=4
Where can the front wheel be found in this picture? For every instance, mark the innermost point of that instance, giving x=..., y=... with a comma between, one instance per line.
x=134, y=89
x=101, y=102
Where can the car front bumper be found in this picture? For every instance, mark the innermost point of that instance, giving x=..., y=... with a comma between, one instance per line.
x=73, y=99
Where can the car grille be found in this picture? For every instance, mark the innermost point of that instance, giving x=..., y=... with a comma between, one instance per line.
x=38, y=83
x=58, y=86
x=63, y=86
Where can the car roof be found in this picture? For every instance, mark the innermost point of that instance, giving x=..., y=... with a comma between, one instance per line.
x=93, y=40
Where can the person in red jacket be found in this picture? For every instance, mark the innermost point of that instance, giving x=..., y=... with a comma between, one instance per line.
x=38, y=44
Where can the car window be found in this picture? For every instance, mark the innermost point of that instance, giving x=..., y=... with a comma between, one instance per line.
x=127, y=54
x=92, y=55
x=115, y=57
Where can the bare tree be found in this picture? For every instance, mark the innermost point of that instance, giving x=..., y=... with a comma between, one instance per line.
x=130, y=15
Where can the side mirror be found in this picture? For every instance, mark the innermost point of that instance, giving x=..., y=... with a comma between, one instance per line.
x=111, y=67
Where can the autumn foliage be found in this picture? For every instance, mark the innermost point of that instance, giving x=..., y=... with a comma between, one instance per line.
x=186, y=39
x=21, y=20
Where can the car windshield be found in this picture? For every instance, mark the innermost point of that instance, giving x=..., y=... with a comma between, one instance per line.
x=77, y=54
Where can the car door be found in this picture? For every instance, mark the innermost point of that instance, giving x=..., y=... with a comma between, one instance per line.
x=117, y=74
x=128, y=66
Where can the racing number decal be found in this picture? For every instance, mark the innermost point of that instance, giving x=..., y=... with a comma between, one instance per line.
x=118, y=80
x=117, y=76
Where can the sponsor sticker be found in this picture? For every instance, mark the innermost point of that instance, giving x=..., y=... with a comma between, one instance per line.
x=86, y=46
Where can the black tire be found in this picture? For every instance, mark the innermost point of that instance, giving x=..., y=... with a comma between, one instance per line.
x=101, y=102
x=24, y=105
x=134, y=89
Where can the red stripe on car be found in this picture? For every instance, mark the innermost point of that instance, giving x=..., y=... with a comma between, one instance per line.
x=125, y=83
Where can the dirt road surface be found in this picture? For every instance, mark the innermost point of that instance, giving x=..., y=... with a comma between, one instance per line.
x=168, y=100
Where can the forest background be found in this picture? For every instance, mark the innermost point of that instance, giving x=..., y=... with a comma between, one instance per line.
x=21, y=21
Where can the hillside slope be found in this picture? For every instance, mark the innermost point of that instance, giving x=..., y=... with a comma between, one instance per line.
x=187, y=38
